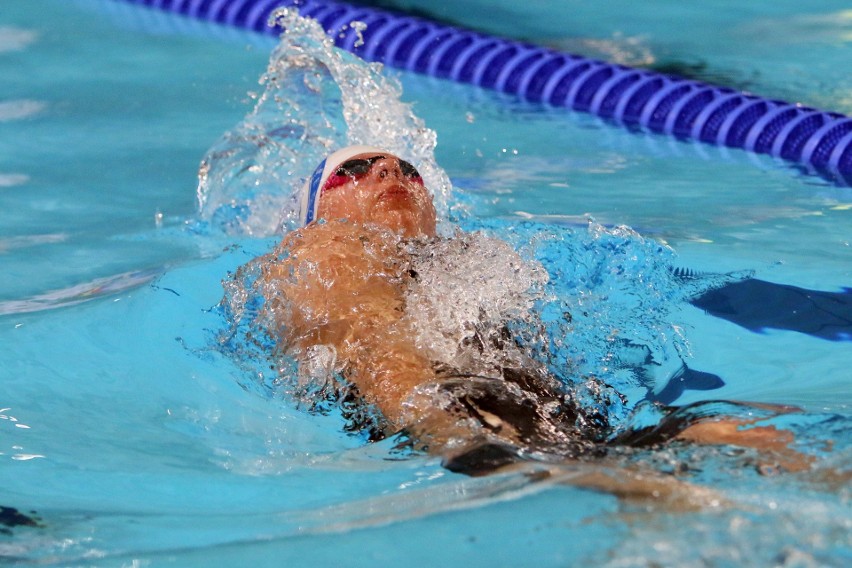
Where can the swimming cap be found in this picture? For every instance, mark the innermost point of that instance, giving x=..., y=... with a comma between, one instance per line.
x=309, y=202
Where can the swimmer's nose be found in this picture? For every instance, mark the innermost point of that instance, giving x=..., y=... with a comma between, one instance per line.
x=389, y=169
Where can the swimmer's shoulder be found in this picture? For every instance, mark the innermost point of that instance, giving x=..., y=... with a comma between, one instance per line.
x=338, y=245
x=319, y=233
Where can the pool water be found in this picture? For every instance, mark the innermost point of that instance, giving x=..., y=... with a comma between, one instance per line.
x=136, y=439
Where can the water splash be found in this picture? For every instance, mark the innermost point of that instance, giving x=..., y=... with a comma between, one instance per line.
x=601, y=322
x=609, y=311
x=468, y=289
x=316, y=99
x=596, y=308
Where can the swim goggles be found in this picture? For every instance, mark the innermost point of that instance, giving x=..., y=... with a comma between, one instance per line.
x=358, y=169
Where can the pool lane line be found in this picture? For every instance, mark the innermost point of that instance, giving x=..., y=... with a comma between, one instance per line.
x=686, y=109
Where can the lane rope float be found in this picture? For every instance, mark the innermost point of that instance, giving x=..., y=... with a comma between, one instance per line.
x=683, y=108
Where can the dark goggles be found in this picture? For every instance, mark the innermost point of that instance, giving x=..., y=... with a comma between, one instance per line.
x=358, y=168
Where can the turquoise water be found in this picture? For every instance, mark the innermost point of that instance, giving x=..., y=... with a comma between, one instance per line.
x=135, y=439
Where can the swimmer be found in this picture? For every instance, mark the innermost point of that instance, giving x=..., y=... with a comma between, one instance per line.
x=341, y=281
x=339, y=292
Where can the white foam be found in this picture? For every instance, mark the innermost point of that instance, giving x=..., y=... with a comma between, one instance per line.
x=468, y=289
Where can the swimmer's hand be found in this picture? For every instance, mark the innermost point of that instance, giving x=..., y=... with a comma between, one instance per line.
x=647, y=488
x=631, y=485
x=772, y=443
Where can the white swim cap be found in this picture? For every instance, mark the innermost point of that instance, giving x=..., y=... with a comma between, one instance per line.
x=309, y=202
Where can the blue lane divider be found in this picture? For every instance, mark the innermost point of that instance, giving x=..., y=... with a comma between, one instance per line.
x=821, y=141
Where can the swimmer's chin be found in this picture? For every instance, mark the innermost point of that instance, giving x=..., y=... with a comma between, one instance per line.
x=388, y=228
x=404, y=222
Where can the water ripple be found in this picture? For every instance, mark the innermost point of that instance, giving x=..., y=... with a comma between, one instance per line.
x=16, y=39
x=79, y=293
x=20, y=109
x=10, y=180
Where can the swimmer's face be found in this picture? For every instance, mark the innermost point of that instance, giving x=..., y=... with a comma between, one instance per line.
x=380, y=189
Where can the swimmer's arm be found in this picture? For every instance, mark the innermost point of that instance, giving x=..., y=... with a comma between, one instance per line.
x=341, y=287
x=773, y=445
x=328, y=289
x=772, y=442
